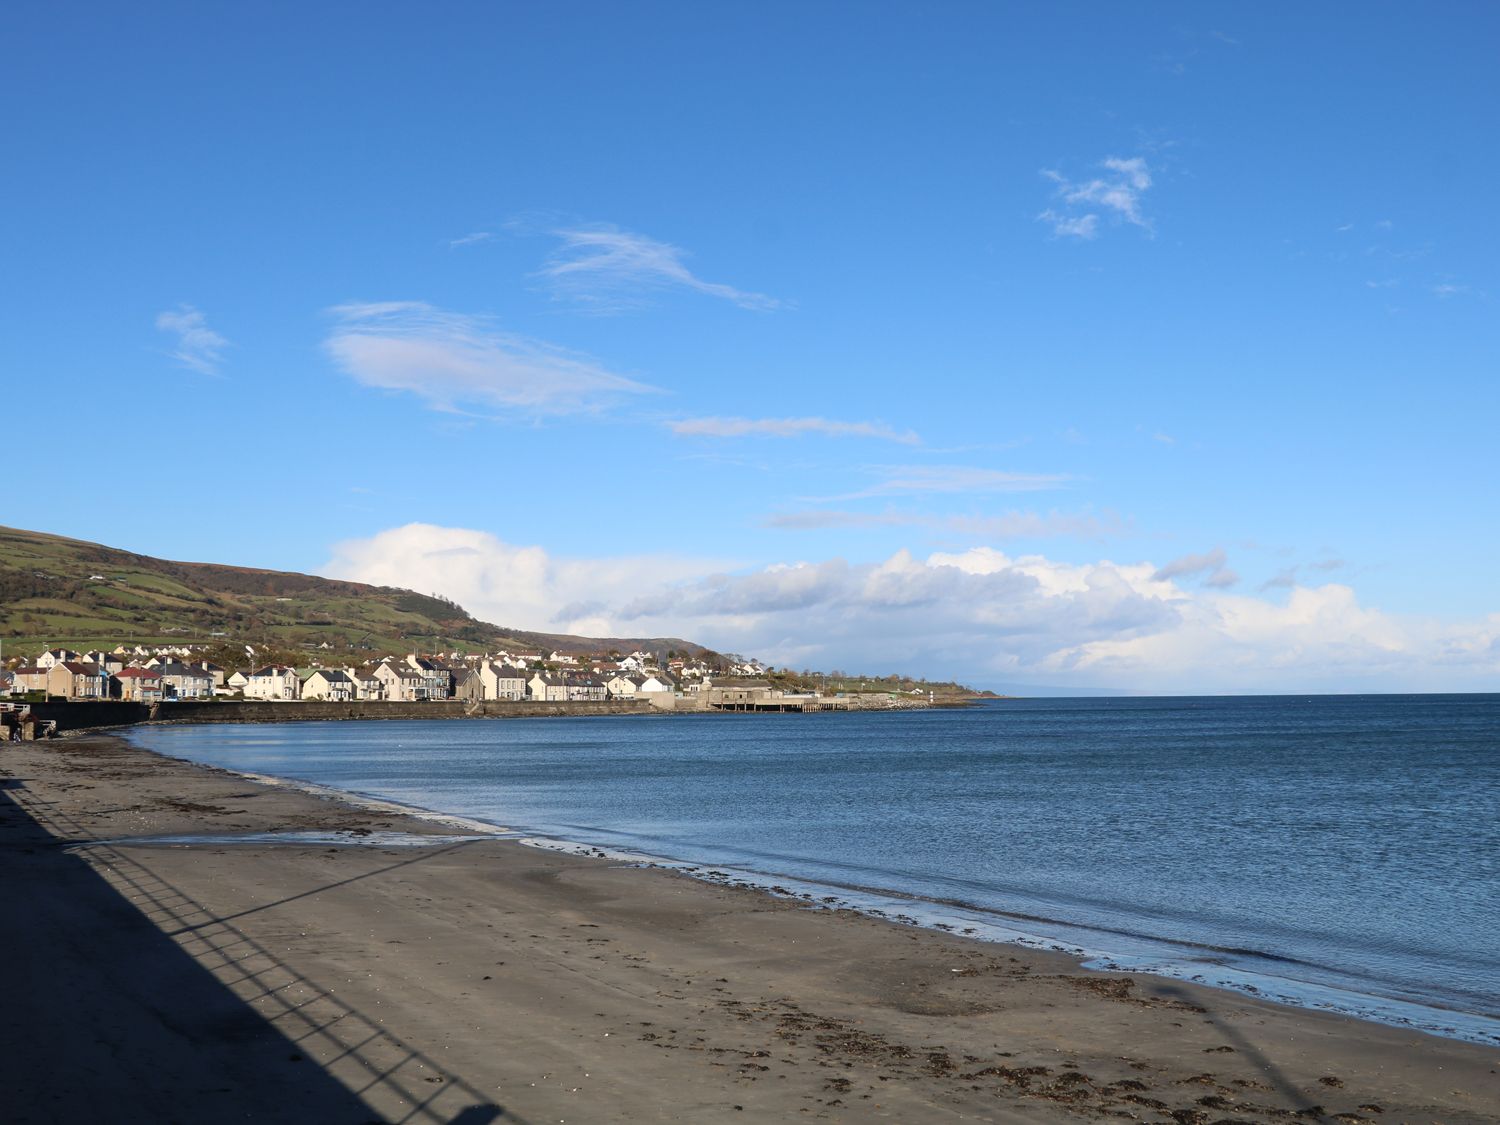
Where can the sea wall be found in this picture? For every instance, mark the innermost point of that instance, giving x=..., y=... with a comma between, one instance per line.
x=314, y=710
x=87, y=714
x=84, y=714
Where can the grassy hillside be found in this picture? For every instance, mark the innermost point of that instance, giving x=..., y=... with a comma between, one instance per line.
x=56, y=591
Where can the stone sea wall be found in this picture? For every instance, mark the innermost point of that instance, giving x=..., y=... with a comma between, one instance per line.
x=85, y=715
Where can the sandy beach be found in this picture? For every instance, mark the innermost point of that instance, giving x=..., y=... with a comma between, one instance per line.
x=472, y=980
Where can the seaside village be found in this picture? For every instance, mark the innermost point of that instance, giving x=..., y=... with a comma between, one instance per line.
x=134, y=673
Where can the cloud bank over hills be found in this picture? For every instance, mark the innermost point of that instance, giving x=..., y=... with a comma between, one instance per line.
x=980, y=615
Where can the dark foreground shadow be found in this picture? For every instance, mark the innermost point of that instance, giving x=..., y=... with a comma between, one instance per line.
x=1296, y=1098
x=107, y=1017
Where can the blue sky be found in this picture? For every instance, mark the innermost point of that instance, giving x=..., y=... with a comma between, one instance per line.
x=607, y=316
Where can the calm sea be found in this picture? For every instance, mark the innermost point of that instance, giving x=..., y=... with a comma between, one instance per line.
x=1341, y=852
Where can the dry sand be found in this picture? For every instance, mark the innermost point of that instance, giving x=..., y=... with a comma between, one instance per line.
x=484, y=980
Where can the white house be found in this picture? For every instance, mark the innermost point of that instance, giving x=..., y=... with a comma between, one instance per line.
x=547, y=687
x=402, y=684
x=55, y=656
x=329, y=684
x=273, y=682
x=213, y=670
x=586, y=689
x=436, y=678
x=501, y=681
x=366, y=684
x=622, y=686
x=182, y=681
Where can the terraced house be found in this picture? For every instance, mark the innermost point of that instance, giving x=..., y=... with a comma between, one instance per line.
x=184, y=681
x=138, y=685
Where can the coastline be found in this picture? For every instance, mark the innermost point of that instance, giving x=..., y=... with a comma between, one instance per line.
x=560, y=986
x=1087, y=946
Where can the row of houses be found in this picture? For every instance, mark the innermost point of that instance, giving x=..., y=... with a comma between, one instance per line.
x=418, y=678
x=87, y=679
x=137, y=675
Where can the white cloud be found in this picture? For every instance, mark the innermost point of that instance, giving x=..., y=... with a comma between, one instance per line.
x=611, y=268
x=1116, y=195
x=979, y=615
x=1010, y=525
x=1190, y=564
x=451, y=359
x=198, y=346
x=907, y=480
x=1071, y=226
x=521, y=587
x=788, y=427
x=471, y=239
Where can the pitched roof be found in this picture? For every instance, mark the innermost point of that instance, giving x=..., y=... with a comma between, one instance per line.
x=175, y=669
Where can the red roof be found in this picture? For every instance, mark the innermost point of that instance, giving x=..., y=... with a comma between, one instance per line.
x=137, y=674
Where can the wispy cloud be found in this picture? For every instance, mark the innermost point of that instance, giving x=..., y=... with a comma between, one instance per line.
x=908, y=480
x=788, y=427
x=609, y=268
x=1449, y=289
x=1212, y=564
x=1283, y=579
x=471, y=239
x=452, y=359
x=1116, y=195
x=1071, y=226
x=198, y=346
x=1009, y=525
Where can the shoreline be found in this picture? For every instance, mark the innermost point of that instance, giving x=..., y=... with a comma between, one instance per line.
x=1074, y=940
x=659, y=996
x=105, y=715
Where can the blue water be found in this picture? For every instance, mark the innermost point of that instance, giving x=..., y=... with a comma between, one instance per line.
x=1339, y=851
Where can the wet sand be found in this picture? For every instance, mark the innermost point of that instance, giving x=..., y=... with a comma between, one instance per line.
x=481, y=980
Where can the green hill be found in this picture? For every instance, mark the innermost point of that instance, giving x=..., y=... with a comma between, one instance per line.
x=66, y=592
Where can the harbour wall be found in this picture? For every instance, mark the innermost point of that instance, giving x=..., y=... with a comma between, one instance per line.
x=290, y=711
x=89, y=714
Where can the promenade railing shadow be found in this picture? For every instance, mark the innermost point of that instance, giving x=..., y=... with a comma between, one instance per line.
x=1297, y=1099
x=274, y=1044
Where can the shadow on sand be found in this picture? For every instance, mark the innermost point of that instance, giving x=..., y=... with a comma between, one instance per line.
x=126, y=1001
